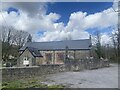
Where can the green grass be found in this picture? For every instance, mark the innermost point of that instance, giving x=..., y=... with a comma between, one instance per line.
x=13, y=84
x=30, y=83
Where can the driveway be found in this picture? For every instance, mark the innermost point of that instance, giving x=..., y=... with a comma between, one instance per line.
x=99, y=78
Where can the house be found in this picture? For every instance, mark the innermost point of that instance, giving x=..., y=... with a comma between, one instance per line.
x=53, y=52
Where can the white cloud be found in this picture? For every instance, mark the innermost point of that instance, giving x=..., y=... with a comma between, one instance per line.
x=76, y=26
x=76, y=21
x=31, y=8
x=105, y=39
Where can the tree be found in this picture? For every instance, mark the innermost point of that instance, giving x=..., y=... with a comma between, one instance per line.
x=117, y=10
x=6, y=34
x=20, y=38
x=118, y=39
x=29, y=38
x=115, y=44
x=98, y=44
x=12, y=40
x=6, y=38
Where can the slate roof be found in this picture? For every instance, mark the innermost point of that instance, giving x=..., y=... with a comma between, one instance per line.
x=34, y=52
x=83, y=44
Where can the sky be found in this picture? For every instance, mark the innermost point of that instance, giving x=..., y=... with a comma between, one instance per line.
x=65, y=9
x=60, y=20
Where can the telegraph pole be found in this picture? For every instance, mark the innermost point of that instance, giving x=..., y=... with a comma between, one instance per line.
x=108, y=51
x=118, y=31
x=66, y=54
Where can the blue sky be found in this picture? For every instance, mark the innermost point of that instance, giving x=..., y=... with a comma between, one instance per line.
x=66, y=8
x=10, y=9
x=87, y=17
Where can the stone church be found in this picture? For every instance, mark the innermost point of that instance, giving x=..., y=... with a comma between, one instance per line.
x=53, y=52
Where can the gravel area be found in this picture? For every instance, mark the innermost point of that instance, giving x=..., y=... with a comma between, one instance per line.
x=98, y=78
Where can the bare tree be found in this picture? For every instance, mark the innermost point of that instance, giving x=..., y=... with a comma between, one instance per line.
x=29, y=38
x=115, y=44
x=9, y=35
x=117, y=10
x=12, y=40
x=6, y=34
x=20, y=38
x=3, y=34
x=118, y=39
x=13, y=36
x=98, y=44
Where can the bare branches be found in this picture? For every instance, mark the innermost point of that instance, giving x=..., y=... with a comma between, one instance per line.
x=20, y=38
x=12, y=40
x=98, y=44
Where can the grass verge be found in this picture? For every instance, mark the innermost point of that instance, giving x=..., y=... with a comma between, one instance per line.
x=30, y=83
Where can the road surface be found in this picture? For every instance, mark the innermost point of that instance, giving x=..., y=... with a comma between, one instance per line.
x=98, y=78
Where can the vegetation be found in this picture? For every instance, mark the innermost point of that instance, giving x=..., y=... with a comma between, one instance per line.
x=30, y=83
x=12, y=40
x=111, y=52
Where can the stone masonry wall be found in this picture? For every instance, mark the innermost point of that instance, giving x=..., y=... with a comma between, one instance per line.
x=13, y=73
x=25, y=54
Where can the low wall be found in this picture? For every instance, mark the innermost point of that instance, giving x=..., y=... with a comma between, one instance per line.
x=86, y=64
x=12, y=73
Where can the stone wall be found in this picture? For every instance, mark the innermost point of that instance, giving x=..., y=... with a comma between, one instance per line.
x=27, y=54
x=13, y=73
x=86, y=64
x=55, y=57
x=75, y=54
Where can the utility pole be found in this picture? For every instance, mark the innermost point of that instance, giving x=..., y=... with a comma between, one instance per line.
x=66, y=54
x=118, y=31
x=108, y=51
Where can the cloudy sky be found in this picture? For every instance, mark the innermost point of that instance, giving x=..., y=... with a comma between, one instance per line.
x=57, y=20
